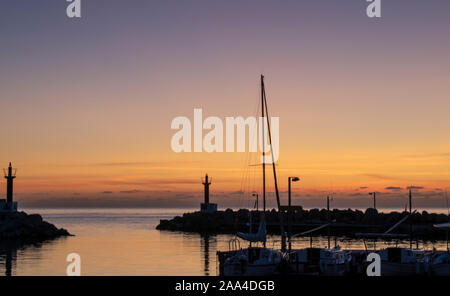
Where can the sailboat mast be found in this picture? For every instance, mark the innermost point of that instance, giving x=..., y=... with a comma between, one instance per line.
x=271, y=151
x=263, y=144
x=264, y=108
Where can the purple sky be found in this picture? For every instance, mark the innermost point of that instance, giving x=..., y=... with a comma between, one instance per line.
x=362, y=102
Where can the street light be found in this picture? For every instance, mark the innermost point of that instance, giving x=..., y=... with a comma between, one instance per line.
x=257, y=201
x=290, y=179
x=374, y=199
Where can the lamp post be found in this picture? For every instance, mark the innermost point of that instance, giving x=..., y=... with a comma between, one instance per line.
x=328, y=220
x=290, y=179
x=257, y=201
x=374, y=199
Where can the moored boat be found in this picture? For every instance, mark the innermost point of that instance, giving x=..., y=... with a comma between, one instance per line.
x=396, y=261
x=252, y=261
x=319, y=261
x=255, y=261
x=440, y=261
x=440, y=264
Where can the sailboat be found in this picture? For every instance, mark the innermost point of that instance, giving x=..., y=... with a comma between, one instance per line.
x=260, y=236
x=257, y=260
x=319, y=261
x=268, y=261
x=252, y=261
x=438, y=263
x=397, y=261
x=400, y=261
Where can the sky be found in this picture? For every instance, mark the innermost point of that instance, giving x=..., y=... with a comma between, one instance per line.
x=87, y=104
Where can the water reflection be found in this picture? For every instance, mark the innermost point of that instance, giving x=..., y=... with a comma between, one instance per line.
x=14, y=255
x=206, y=253
x=208, y=248
x=8, y=255
x=125, y=242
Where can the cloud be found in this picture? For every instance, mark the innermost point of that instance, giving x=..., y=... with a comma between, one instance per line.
x=356, y=194
x=363, y=187
x=186, y=196
x=393, y=188
x=150, y=182
x=130, y=191
x=141, y=163
x=166, y=199
x=122, y=164
x=429, y=155
x=107, y=192
x=414, y=187
x=378, y=176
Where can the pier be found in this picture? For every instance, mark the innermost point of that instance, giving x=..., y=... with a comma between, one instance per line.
x=347, y=222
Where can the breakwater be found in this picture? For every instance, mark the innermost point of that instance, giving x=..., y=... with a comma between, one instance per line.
x=20, y=226
x=345, y=222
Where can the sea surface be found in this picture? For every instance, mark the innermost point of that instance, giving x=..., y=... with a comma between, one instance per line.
x=125, y=242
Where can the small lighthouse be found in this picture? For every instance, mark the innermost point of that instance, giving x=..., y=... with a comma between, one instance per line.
x=8, y=204
x=206, y=206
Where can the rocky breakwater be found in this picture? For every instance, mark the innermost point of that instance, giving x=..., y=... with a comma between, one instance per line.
x=19, y=226
x=345, y=222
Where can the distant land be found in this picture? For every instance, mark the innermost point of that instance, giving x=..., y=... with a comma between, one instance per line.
x=395, y=203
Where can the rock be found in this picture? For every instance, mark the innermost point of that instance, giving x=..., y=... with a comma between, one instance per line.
x=348, y=222
x=228, y=217
x=28, y=228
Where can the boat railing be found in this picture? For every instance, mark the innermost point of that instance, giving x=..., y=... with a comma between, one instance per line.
x=234, y=244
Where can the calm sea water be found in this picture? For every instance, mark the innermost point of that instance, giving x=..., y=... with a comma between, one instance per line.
x=125, y=242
